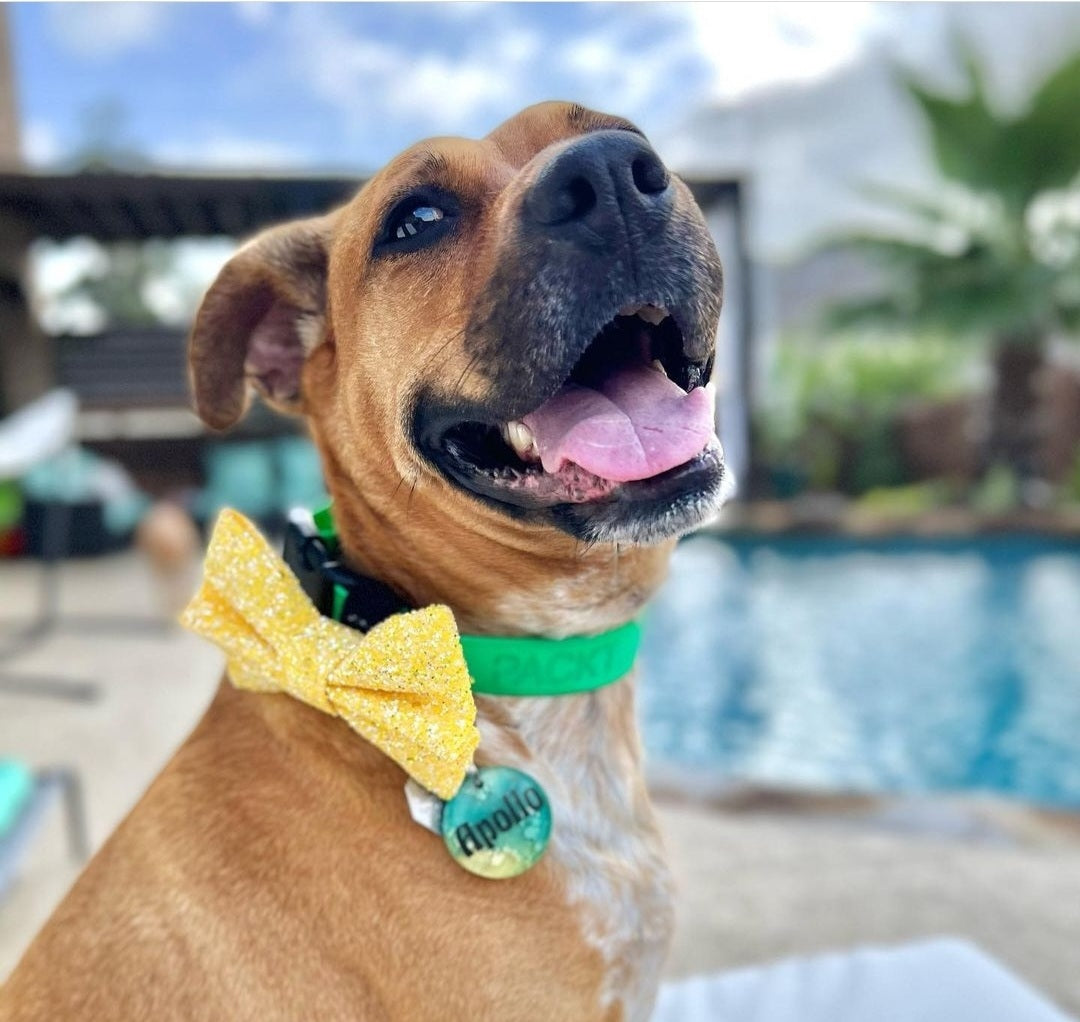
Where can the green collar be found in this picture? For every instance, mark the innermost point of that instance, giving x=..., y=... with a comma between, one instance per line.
x=550, y=667
x=498, y=666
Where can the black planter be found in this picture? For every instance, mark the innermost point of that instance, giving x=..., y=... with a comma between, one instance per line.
x=83, y=534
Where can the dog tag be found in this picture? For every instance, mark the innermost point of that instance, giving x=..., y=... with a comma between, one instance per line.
x=498, y=824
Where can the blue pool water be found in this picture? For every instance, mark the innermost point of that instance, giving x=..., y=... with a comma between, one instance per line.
x=899, y=665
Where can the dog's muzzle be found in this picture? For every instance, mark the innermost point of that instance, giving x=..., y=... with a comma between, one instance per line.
x=598, y=337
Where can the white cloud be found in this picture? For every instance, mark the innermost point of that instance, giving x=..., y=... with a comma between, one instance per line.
x=213, y=148
x=654, y=63
x=40, y=144
x=388, y=79
x=520, y=44
x=743, y=47
x=256, y=13
x=103, y=30
x=449, y=91
x=220, y=150
x=589, y=54
x=637, y=86
x=756, y=45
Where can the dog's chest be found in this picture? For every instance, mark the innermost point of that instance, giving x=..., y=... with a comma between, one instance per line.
x=584, y=750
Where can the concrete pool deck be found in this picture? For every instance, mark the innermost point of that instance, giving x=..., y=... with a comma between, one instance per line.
x=761, y=874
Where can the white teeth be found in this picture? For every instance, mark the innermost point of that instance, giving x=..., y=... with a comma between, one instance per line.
x=653, y=314
x=521, y=438
x=659, y=366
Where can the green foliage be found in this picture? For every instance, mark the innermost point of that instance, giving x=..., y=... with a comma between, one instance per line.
x=911, y=500
x=1070, y=485
x=998, y=492
x=1015, y=157
x=832, y=404
x=996, y=253
x=11, y=505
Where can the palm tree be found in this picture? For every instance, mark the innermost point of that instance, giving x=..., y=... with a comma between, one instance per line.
x=995, y=254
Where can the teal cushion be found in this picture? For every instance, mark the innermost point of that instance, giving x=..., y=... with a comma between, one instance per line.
x=241, y=476
x=300, y=474
x=16, y=786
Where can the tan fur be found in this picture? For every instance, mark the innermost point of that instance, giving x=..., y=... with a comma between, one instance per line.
x=272, y=870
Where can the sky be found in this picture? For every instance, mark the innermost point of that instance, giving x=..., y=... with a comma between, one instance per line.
x=791, y=96
x=346, y=86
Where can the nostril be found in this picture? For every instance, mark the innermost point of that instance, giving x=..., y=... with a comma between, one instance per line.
x=650, y=175
x=579, y=197
x=562, y=198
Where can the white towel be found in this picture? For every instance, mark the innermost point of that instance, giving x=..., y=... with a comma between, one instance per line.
x=931, y=981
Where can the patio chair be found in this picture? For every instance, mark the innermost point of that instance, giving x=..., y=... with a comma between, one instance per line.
x=28, y=437
x=25, y=797
x=32, y=435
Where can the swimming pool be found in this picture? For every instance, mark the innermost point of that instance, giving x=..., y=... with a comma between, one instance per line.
x=893, y=665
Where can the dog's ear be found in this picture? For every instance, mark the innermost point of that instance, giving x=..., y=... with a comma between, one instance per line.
x=259, y=320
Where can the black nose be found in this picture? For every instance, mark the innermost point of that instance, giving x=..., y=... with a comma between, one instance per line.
x=606, y=181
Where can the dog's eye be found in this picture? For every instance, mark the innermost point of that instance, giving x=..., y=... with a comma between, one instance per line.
x=414, y=223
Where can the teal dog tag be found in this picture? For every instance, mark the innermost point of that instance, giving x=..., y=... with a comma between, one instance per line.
x=498, y=824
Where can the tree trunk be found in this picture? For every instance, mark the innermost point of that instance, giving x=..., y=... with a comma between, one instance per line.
x=1016, y=431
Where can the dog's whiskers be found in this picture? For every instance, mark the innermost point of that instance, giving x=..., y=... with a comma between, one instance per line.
x=456, y=336
x=469, y=368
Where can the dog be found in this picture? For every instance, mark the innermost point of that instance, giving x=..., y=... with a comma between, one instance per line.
x=448, y=335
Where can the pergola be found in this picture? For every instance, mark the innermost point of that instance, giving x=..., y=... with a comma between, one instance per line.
x=131, y=383
x=112, y=207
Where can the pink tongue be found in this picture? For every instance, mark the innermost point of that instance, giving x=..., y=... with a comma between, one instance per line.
x=637, y=425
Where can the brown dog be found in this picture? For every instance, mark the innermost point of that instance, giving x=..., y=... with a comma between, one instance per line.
x=448, y=334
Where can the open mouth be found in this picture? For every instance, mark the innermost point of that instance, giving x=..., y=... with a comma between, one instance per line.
x=633, y=411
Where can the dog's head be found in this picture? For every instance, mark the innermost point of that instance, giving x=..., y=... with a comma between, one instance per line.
x=520, y=329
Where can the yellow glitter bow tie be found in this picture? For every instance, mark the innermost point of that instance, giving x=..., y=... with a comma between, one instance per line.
x=403, y=685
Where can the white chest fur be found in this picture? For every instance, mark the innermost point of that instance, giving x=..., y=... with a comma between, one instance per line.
x=585, y=750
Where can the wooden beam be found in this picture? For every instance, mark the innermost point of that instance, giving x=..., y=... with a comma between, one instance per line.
x=26, y=357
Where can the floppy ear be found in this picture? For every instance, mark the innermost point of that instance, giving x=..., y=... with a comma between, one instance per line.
x=259, y=320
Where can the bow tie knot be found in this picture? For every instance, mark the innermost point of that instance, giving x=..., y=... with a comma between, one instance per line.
x=403, y=685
